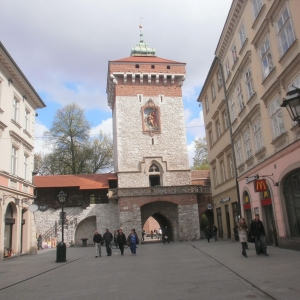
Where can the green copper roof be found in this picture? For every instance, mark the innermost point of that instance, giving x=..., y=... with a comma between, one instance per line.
x=141, y=48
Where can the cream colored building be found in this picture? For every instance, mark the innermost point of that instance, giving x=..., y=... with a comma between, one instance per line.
x=18, y=104
x=260, y=57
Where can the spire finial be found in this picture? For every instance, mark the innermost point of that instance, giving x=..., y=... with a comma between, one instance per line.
x=141, y=34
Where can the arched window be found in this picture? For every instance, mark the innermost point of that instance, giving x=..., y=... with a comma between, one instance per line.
x=247, y=207
x=291, y=192
x=154, y=175
x=9, y=222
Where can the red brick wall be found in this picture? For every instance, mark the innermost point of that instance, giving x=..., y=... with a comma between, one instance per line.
x=126, y=203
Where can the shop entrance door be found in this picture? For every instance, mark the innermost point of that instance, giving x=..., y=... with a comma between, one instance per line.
x=228, y=222
x=270, y=229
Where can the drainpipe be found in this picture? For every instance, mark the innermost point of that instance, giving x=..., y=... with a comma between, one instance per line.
x=231, y=139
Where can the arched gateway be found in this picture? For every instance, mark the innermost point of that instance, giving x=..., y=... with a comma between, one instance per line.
x=151, y=166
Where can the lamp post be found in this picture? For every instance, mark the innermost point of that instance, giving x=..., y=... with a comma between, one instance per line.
x=61, y=248
x=292, y=104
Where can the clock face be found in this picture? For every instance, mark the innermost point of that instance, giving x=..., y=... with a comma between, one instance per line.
x=33, y=208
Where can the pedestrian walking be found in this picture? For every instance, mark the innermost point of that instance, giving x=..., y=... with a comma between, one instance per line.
x=207, y=233
x=121, y=240
x=159, y=233
x=116, y=232
x=166, y=234
x=215, y=232
x=108, y=237
x=143, y=235
x=151, y=234
x=40, y=242
x=98, y=241
x=132, y=241
x=257, y=231
x=243, y=234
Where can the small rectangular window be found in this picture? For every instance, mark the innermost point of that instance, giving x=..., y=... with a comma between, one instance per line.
x=140, y=97
x=152, y=67
x=168, y=67
x=137, y=66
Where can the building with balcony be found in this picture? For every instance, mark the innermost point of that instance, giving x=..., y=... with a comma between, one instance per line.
x=18, y=104
x=257, y=61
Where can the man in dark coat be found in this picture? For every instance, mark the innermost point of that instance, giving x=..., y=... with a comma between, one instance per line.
x=97, y=239
x=121, y=240
x=108, y=237
x=207, y=233
x=133, y=240
x=257, y=231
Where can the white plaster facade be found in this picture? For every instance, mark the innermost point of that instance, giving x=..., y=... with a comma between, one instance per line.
x=18, y=104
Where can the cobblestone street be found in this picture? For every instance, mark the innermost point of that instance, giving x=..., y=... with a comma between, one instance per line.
x=187, y=270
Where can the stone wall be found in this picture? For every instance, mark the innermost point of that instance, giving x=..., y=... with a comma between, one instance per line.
x=107, y=216
x=134, y=146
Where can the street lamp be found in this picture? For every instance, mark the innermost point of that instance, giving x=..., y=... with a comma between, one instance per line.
x=292, y=104
x=61, y=248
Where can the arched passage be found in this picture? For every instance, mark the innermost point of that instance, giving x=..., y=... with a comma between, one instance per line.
x=165, y=213
x=207, y=219
x=85, y=230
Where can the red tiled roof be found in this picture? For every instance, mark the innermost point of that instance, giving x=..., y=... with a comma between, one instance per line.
x=197, y=174
x=83, y=181
x=150, y=59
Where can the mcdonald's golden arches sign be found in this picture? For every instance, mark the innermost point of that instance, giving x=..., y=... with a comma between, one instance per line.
x=260, y=185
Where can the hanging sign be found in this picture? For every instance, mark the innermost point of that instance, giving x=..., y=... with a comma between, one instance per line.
x=225, y=200
x=252, y=178
x=260, y=185
x=33, y=207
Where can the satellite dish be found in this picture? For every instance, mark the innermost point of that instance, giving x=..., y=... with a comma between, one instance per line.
x=33, y=208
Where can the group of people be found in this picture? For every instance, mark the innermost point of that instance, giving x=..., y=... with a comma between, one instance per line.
x=120, y=239
x=255, y=232
x=156, y=233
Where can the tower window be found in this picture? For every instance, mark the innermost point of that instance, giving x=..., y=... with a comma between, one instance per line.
x=152, y=141
x=152, y=67
x=137, y=66
x=154, y=180
x=168, y=67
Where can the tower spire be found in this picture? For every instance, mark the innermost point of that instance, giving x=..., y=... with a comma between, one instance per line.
x=141, y=48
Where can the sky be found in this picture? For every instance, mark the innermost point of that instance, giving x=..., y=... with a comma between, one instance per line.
x=63, y=48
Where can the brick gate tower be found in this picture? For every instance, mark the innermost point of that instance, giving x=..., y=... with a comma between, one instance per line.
x=150, y=150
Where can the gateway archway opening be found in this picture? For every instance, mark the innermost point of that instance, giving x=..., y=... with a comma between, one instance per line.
x=155, y=222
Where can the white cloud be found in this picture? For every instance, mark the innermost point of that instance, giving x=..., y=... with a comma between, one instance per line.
x=105, y=126
x=39, y=140
x=196, y=126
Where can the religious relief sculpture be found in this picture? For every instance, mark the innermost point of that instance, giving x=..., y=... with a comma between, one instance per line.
x=151, y=118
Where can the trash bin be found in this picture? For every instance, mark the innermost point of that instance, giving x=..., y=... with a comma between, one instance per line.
x=84, y=242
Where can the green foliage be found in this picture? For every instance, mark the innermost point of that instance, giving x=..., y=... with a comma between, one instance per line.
x=203, y=222
x=72, y=150
x=201, y=155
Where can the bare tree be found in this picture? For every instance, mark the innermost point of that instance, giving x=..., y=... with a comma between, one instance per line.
x=72, y=149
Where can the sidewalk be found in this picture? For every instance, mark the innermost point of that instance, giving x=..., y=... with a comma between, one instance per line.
x=181, y=270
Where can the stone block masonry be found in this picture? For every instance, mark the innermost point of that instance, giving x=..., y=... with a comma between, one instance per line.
x=106, y=216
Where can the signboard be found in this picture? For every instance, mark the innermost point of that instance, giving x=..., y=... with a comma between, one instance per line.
x=252, y=178
x=209, y=206
x=225, y=200
x=260, y=185
x=33, y=207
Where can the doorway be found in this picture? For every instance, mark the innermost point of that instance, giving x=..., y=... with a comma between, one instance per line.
x=228, y=221
x=271, y=234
